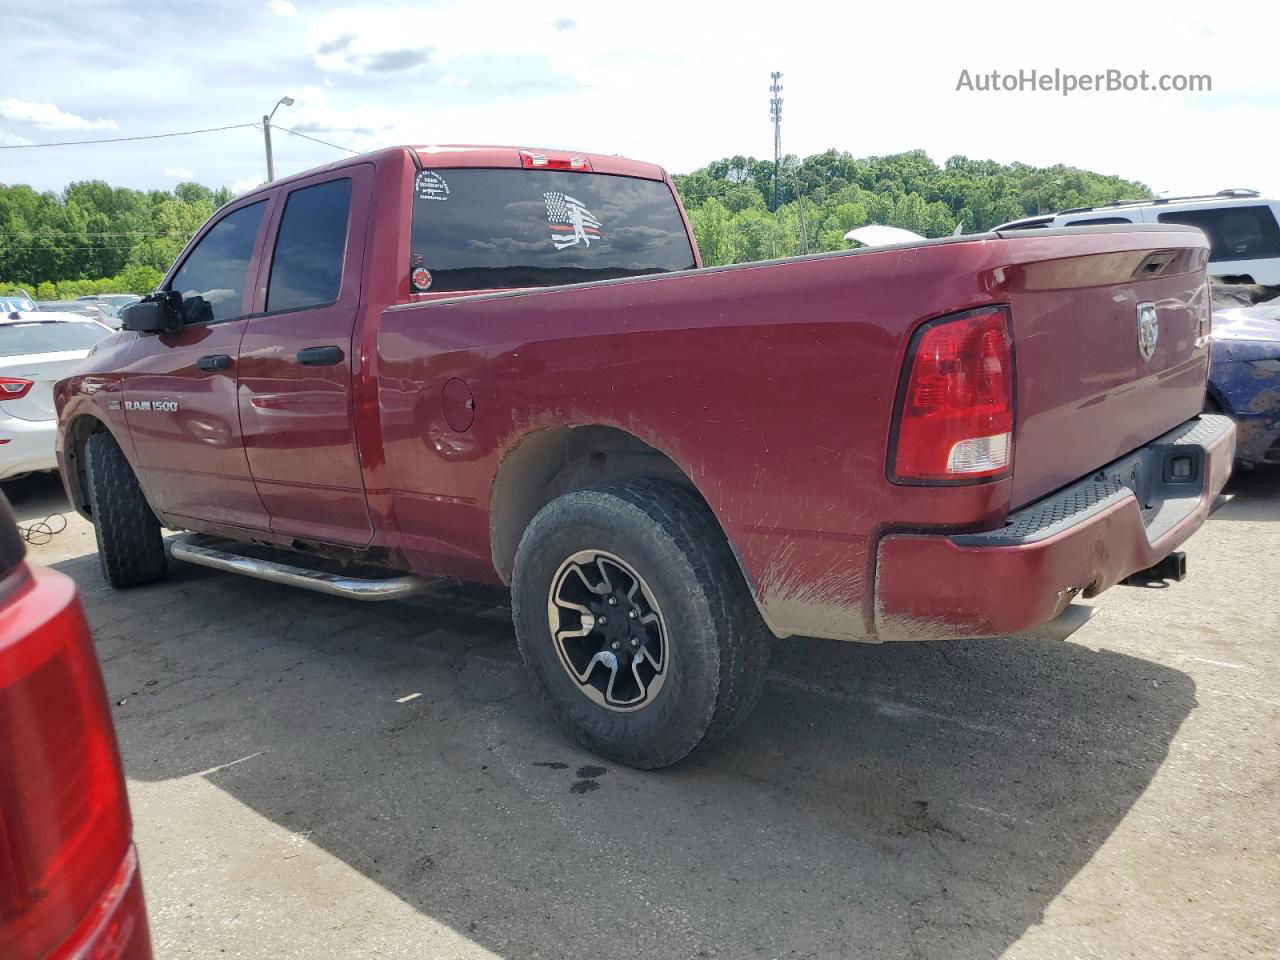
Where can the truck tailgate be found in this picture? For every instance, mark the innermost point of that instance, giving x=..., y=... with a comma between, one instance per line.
x=1092, y=382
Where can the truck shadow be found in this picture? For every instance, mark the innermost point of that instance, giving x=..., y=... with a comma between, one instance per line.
x=1255, y=495
x=924, y=800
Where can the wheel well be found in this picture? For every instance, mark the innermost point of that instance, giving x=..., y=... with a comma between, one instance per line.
x=76, y=434
x=551, y=462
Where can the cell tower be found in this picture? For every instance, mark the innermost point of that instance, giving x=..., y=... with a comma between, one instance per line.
x=775, y=114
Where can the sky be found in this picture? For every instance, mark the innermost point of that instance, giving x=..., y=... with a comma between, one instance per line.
x=680, y=84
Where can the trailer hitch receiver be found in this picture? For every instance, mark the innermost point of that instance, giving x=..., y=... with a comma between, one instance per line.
x=1173, y=567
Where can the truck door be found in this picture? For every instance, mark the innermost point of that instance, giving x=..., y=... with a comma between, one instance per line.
x=180, y=388
x=297, y=363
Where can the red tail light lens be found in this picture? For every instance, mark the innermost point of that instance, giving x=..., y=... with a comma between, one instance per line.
x=14, y=388
x=547, y=161
x=64, y=819
x=955, y=415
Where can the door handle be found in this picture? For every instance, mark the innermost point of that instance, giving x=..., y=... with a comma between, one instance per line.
x=320, y=356
x=216, y=361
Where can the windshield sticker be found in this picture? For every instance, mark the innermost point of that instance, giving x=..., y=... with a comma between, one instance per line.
x=430, y=186
x=571, y=222
x=421, y=279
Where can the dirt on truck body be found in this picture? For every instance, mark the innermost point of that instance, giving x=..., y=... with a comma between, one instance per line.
x=508, y=366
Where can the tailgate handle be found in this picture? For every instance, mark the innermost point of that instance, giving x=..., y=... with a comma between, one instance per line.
x=1153, y=264
x=216, y=361
x=320, y=356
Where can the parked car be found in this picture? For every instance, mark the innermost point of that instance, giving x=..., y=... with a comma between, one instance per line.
x=117, y=300
x=37, y=350
x=1244, y=378
x=1241, y=226
x=69, y=880
x=16, y=300
x=102, y=312
x=504, y=365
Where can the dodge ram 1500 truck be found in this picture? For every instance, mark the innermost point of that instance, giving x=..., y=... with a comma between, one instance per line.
x=507, y=365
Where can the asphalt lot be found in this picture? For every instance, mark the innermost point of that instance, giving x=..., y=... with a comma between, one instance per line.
x=1114, y=795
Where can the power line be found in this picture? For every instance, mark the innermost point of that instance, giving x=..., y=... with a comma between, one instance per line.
x=151, y=136
x=276, y=126
x=73, y=233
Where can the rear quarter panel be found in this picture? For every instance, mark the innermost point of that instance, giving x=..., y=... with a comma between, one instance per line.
x=770, y=385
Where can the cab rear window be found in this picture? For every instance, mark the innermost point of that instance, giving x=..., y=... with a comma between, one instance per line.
x=482, y=229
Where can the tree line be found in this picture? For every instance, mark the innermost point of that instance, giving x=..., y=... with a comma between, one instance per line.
x=731, y=203
x=95, y=238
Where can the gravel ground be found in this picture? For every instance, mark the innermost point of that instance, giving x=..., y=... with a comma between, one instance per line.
x=1113, y=795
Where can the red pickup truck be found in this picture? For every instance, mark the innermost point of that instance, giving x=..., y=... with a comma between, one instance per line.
x=506, y=365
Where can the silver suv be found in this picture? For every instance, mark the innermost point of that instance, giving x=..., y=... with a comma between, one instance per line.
x=1244, y=238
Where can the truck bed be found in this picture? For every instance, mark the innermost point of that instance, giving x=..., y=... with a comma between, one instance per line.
x=772, y=387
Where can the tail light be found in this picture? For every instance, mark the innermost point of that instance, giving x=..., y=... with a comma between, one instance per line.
x=546, y=161
x=64, y=818
x=955, y=412
x=14, y=388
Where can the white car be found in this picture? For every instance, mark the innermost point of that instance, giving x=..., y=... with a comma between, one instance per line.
x=36, y=351
x=1243, y=228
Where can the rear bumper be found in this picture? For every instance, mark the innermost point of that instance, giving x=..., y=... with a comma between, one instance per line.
x=29, y=447
x=1079, y=541
x=1258, y=438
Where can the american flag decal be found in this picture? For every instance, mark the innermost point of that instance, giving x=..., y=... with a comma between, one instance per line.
x=571, y=222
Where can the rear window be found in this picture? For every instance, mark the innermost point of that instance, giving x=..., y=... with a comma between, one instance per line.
x=18, y=339
x=1235, y=233
x=479, y=229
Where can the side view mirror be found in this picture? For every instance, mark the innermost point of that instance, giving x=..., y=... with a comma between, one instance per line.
x=195, y=310
x=155, y=313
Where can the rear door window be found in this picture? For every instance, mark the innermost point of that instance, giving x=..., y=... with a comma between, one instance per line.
x=1235, y=233
x=479, y=229
x=306, y=270
x=218, y=267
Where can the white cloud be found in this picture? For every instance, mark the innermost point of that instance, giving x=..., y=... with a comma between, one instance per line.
x=245, y=185
x=47, y=116
x=12, y=140
x=180, y=173
x=614, y=82
x=283, y=8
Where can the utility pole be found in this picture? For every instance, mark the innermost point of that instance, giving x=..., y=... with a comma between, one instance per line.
x=775, y=114
x=266, y=134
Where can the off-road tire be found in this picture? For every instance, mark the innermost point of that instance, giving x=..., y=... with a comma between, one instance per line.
x=720, y=646
x=130, y=548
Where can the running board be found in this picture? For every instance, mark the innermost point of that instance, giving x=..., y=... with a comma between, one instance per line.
x=334, y=584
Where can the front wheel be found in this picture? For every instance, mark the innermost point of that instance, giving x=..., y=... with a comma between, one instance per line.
x=630, y=610
x=130, y=547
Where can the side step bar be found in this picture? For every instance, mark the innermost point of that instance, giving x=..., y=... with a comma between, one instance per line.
x=335, y=584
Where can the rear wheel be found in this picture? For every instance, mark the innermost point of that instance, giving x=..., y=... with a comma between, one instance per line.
x=631, y=612
x=130, y=548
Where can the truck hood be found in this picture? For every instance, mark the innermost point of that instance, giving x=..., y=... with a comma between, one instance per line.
x=1260, y=322
x=1246, y=333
